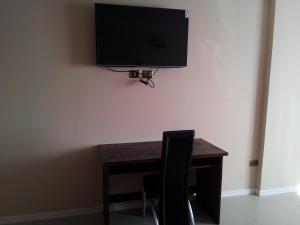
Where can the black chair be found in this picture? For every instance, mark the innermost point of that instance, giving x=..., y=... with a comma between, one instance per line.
x=171, y=185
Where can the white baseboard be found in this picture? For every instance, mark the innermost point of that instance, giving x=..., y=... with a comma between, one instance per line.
x=276, y=191
x=48, y=215
x=238, y=192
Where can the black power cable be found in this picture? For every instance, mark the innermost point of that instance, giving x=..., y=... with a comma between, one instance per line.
x=118, y=71
x=151, y=83
x=148, y=82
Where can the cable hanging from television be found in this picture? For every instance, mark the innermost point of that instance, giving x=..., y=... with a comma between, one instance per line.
x=149, y=81
x=117, y=71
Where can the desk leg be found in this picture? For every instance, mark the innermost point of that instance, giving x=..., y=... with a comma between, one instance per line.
x=209, y=185
x=105, y=194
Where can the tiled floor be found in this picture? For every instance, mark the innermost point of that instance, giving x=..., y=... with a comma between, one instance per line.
x=245, y=210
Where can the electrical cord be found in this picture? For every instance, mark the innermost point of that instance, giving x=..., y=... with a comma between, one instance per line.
x=151, y=83
x=148, y=82
x=125, y=71
x=155, y=71
x=118, y=71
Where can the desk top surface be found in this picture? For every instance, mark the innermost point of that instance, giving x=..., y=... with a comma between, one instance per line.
x=151, y=151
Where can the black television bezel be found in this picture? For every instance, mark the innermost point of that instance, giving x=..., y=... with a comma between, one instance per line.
x=142, y=65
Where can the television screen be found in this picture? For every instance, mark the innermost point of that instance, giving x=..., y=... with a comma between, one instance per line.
x=140, y=36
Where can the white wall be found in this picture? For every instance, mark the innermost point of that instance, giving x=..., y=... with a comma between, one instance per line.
x=281, y=147
x=56, y=105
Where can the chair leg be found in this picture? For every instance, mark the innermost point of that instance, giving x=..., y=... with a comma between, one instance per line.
x=144, y=202
x=154, y=213
x=192, y=220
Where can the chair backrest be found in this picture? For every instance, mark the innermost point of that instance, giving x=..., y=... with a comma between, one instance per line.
x=176, y=159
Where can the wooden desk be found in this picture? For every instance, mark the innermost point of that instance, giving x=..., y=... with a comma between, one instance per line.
x=125, y=158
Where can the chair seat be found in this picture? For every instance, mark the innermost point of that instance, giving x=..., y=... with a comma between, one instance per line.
x=151, y=185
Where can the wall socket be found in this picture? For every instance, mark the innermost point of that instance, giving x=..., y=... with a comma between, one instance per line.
x=140, y=74
x=147, y=74
x=253, y=162
x=135, y=74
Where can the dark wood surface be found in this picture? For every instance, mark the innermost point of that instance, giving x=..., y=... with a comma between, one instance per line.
x=150, y=151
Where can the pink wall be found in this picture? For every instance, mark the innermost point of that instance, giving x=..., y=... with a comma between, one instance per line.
x=56, y=105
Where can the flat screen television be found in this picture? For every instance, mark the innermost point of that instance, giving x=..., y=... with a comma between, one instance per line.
x=129, y=36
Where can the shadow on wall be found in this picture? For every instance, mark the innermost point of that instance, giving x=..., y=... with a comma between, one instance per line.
x=68, y=179
x=80, y=18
